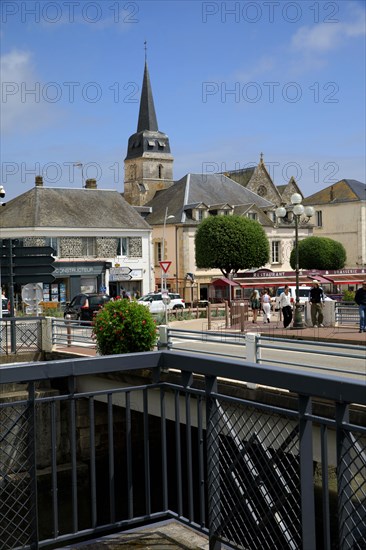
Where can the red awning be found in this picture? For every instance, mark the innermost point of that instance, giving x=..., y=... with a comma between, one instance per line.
x=222, y=281
x=320, y=278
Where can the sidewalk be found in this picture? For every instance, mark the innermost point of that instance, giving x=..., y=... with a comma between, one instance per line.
x=345, y=334
x=341, y=335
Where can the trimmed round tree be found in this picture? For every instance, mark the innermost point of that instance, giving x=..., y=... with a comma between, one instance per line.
x=320, y=253
x=231, y=243
x=124, y=326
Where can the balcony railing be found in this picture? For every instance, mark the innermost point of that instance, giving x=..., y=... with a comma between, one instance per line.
x=93, y=445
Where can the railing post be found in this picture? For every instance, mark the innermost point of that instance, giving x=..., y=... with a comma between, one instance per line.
x=47, y=334
x=344, y=475
x=213, y=464
x=306, y=475
x=209, y=316
x=227, y=314
x=68, y=328
x=242, y=317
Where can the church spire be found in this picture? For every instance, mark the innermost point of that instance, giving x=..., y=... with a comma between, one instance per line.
x=147, y=116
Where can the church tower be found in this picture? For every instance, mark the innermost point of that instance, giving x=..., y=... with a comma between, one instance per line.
x=149, y=163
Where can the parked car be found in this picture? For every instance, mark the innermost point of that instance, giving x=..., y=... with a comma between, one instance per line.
x=5, y=307
x=84, y=306
x=154, y=302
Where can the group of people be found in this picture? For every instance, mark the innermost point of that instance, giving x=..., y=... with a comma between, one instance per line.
x=262, y=302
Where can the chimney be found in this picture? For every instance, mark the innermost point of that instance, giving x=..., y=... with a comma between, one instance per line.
x=91, y=184
x=39, y=181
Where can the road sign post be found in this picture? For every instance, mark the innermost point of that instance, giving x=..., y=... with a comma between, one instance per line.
x=164, y=269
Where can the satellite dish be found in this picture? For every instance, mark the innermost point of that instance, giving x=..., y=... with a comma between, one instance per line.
x=32, y=293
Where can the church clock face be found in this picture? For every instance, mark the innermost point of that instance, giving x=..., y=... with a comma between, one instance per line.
x=262, y=191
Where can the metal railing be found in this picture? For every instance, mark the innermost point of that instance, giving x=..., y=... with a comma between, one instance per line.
x=246, y=473
x=66, y=332
x=19, y=334
x=346, y=314
x=250, y=346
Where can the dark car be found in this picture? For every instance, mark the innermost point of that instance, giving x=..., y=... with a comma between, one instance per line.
x=84, y=306
x=5, y=307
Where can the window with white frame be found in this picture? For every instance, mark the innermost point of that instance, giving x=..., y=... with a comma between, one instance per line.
x=319, y=218
x=275, y=252
x=158, y=248
x=123, y=248
x=252, y=215
x=88, y=246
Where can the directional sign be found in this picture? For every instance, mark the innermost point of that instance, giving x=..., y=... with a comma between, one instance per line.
x=26, y=251
x=28, y=270
x=24, y=279
x=120, y=270
x=165, y=266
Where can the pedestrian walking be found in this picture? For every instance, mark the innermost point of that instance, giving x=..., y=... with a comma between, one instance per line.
x=360, y=299
x=285, y=305
x=266, y=306
x=255, y=304
x=316, y=299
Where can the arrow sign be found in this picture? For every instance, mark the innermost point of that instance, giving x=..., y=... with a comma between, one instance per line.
x=120, y=270
x=28, y=270
x=165, y=266
x=24, y=279
x=26, y=251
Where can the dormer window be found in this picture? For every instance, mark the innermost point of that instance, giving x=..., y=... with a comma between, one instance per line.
x=252, y=215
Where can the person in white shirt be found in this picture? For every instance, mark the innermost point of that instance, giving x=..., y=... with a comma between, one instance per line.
x=266, y=306
x=285, y=305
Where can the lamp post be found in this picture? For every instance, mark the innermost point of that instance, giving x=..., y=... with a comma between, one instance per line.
x=166, y=217
x=80, y=165
x=297, y=211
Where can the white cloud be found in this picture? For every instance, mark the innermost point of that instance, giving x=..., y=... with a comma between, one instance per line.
x=328, y=36
x=21, y=110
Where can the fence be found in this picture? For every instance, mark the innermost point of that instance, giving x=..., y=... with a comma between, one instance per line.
x=242, y=471
x=19, y=334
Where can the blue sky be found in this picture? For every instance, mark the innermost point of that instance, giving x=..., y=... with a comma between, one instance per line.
x=230, y=80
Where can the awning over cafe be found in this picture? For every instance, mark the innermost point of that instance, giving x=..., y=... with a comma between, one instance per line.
x=267, y=278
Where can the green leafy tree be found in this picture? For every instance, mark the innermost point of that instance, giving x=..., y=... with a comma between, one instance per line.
x=124, y=326
x=320, y=253
x=230, y=243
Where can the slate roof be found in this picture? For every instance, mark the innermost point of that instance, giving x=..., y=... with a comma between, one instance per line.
x=72, y=208
x=147, y=139
x=345, y=190
x=147, y=116
x=242, y=176
x=210, y=189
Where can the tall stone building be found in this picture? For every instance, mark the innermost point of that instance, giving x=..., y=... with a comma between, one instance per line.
x=149, y=163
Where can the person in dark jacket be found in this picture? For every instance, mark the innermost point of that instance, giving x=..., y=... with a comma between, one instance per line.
x=360, y=299
x=316, y=299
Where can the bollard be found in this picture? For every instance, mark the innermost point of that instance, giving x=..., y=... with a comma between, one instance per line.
x=163, y=342
x=209, y=319
x=68, y=329
x=253, y=352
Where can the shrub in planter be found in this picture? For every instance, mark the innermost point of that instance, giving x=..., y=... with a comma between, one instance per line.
x=124, y=326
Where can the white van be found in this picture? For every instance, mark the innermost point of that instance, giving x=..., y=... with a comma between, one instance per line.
x=304, y=292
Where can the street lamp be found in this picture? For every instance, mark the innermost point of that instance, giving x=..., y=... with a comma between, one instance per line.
x=80, y=165
x=297, y=211
x=166, y=217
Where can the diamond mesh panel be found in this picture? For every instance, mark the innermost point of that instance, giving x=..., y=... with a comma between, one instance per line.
x=256, y=502
x=28, y=336
x=352, y=495
x=3, y=337
x=17, y=500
